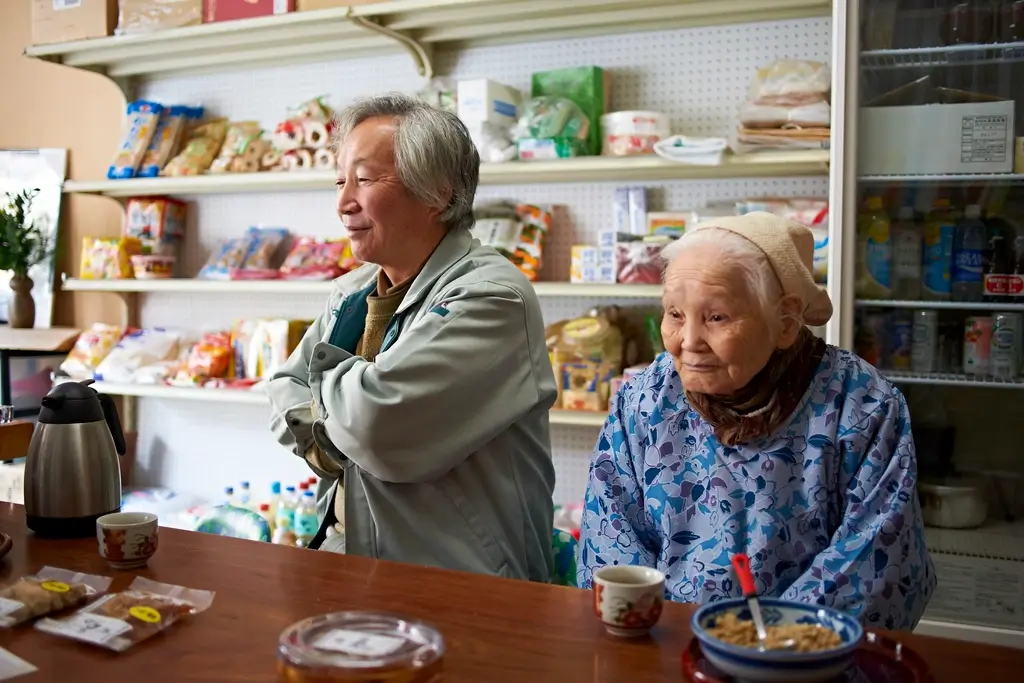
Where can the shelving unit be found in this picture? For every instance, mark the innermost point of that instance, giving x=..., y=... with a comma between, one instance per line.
x=945, y=179
x=946, y=55
x=939, y=305
x=581, y=169
x=257, y=397
x=948, y=379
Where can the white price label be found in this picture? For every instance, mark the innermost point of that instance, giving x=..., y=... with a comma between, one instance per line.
x=66, y=4
x=8, y=606
x=93, y=628
x=359, y=644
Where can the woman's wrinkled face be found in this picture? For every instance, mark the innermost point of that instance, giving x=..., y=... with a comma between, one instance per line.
x=714, y=325
x=383, y=220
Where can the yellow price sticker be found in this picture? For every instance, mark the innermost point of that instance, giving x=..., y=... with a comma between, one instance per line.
x=55, y=586
x=146, y=614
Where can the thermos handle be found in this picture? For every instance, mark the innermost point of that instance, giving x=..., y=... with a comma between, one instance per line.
x=113, y=422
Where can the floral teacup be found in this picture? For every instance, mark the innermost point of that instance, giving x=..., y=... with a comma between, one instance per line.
x=127, y=539
x=628, y=600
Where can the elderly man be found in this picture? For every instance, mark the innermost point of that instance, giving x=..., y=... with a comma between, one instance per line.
x=424, y=387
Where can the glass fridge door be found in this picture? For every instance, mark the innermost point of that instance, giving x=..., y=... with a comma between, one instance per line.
x=936, y=290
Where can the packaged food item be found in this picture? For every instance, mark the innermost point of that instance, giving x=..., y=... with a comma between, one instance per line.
x=228, y=256
x=139, y=126
x=241, y=339
x=47, y=591
x=137, y=349
x=167, y=138
x=155, y=218
x=211, y=356
x=145, y=16
x=363, y=646
x=199, y=150
x=586, y=354
x=119, y=620
x=266, y=242
x=91, y=347
x=108, y=258
x=153, y=267
x=589, y=264
x=639, y=263
x=239, y=138
x=626, y=133
x=517, y=232
x=311, y=258
x=551, y=128
x=273, y=340
x=588, y=87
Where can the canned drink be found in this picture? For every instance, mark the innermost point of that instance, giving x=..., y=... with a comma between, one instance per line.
x=977, y=344
x=1005, y=357
x=925, y=341
x=872, y=343
x=900, y=332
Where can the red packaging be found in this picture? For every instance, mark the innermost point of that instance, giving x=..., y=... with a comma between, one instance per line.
x=229, y=10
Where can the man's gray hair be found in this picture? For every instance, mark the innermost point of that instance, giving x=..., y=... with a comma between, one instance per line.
x=436, y=159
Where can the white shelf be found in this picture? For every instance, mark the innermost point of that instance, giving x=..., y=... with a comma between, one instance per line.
x=946, y=55
x=192, y=286
x=413, y=25
x=257, y=397
x=939, y=305
x=944, y=178
x=580, y=169
x=951, y=380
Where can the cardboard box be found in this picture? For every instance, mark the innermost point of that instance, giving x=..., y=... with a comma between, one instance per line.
x=936, y=138
x=310, y=5
x=592, y=264
x=229, y=10
x=64, y=21
x=481, y=100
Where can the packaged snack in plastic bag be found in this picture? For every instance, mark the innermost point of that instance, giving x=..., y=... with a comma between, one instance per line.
x=91, y=347
x=137, y=349
x=229, y=255
x=311, y=258
x=140, y=123
x=272, y=341
x=199, y=150
x=211, y=356
x=118, y=621
x=155, y=218
x=639, y=263
x=108, y=258
x=167, y=138
x=239, y=138
x=265, y=245
x=47, y=591
x=145, y=16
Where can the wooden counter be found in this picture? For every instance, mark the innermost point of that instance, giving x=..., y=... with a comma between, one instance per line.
x=497, y=631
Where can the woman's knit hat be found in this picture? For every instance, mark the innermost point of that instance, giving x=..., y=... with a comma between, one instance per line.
x=789, y=247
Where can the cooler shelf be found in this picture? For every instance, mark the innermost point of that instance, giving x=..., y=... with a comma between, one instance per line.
x=938, y=305
x=946, y=55
x=947, y=379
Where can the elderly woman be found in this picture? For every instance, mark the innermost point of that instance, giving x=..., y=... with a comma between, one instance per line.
x=422, y=391
x=752, y=435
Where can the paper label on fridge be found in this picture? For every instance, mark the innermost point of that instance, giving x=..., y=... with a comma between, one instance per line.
x=983, y=139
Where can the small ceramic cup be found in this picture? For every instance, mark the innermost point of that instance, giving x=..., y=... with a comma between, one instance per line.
x=628, y=600
x=127, y=539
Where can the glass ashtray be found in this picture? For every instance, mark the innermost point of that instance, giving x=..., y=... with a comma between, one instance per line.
x=363, y=647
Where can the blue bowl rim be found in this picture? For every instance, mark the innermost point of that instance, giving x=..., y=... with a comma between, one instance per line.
x=775, y=655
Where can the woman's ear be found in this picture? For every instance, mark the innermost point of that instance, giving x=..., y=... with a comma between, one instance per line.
x=790, y=310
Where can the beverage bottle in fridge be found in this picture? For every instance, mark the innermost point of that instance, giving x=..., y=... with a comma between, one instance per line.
x=906, y=256
x=1007, y=345
x=968, y=256
x=264, y=511
x=306, y=524
x=925, y=346
x=874, y=248
x=938, y=252
x=996, y=281
x=1015, y=282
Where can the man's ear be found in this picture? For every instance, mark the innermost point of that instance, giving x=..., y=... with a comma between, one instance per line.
x=791, y=309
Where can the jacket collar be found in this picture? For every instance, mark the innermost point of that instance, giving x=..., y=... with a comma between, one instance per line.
x=452, y=248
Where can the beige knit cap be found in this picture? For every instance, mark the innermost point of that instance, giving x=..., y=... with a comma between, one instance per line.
x=789, y=247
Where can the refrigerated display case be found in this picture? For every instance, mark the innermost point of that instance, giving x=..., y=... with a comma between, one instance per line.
x=927, y=271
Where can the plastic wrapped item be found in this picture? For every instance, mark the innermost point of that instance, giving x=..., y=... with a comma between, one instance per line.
x=791, y=83
x=360, y=646
x=588, y=87
x=120, y=620
x=161, y=219
x=640, y=263
x=311, y=258
x=787, y=107
x=108, y=258
x=91, y=347
x=229, y=255
x=517, y=232
x=245, y=258
x=202, y=143
x=586, y=354
x=153, y=267
x=270, y=344
x=137, y=349
x=440, y=92
x=241, y=150
x=683, y=149
x=211, y=356
x=167, y=138
x=551, y=127
x=146, y=16
x=140, y=124
x=47, y=591
x=625, y=133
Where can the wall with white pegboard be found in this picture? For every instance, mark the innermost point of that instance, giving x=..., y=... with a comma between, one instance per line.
x=697, y=76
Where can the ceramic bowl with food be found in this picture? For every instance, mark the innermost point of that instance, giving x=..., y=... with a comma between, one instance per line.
x=825, y=640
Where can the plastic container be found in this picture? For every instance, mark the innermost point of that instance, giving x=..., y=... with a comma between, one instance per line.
x=345, y=647
x=953, y=504
x=152, y=267
x=625, y=133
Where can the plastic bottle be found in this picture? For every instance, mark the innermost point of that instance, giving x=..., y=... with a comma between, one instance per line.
x=275, y=496
x=906, y=256
x=968, y=256
x=285, y=517
x=229, y=495
x=245, y=497
x=938, y=252
x=306, y=523
x=265, y=513
x=874, y=272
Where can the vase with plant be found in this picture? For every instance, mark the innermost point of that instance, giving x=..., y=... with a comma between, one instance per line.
x=23, y=245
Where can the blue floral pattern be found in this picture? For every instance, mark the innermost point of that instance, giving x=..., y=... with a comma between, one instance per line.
x=825, y=507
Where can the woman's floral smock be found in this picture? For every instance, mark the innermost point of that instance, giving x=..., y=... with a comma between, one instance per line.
x=825, y=507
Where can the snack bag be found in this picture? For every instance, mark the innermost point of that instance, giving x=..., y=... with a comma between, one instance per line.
x=273, y=340
x=91, y=347
x=139, y=126
x=228, y=256
x=167, y=138
x=200, y=148
x=161, y=219
x=639, y=263
x=238, y=139
x=311, y=258
x=108, y=258
x=257, y=264
x=211, y=356
x=137, y=349
x=119, y=620
x=241, y=339
x=49, y=590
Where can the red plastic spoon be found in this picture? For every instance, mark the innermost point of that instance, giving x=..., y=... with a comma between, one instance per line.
x=741, y=564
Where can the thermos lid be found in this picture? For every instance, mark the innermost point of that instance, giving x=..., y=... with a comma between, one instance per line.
x=71, y=403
